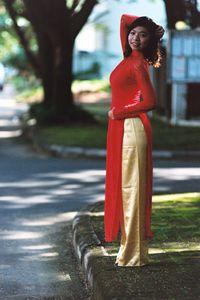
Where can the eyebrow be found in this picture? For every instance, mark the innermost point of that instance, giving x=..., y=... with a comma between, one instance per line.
x=139, y=31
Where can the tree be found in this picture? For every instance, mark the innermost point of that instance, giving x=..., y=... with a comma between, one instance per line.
x=9, y=45
x=182, y=10
x=56, y=24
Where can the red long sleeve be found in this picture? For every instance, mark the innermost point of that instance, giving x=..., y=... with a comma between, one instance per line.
x=126, y=20
x=140, y=73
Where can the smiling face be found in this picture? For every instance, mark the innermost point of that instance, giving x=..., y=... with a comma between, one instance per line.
x=138, y=38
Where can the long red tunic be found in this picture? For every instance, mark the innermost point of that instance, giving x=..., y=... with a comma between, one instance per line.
x=132, y=96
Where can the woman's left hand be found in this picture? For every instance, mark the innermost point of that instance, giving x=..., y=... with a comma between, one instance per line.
x=110, y=114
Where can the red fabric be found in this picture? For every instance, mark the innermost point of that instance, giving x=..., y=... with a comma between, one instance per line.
x=132, y=96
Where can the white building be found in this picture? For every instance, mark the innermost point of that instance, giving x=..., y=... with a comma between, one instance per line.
x=99, y=41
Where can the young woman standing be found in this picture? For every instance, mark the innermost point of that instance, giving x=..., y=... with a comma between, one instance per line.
x=129, y=141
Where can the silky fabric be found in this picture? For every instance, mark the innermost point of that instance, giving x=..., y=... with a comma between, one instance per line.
x=132, y=96
x=134, y=246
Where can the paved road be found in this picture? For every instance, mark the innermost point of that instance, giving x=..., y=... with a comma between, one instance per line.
x=176, y=176
x=39, y=197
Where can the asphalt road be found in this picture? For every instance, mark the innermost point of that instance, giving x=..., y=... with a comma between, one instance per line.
x=39, y=196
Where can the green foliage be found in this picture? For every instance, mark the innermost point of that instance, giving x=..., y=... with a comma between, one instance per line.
x=8, y=40
x=18, y=6
x=18, y=61
x=75, y=115
x=25, y=82
x=28, y=88
x=11, y=52
x=93, y=85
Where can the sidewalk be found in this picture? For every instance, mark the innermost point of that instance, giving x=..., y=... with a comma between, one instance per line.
x=170, y=275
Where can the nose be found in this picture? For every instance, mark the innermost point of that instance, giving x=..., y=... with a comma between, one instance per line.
x=136, y=37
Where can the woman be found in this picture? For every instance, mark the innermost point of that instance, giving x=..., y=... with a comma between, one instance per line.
x=129, y=141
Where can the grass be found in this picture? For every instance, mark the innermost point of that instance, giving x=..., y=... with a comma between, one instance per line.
x=79, y=135
x=175, y=222
x=165, y=137
x=94, y=85
x=28, y=89
x=30, y=95
x=175, y=218
x=168, y=137
x=85, y=136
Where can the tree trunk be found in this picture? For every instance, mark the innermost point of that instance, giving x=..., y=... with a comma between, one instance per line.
x=55, y=52
x=62, y=94
x=56, y=55
x=46, y=58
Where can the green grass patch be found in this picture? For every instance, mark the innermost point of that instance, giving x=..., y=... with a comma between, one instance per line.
x=165, y=137
x=93, y=85
x=28, y=89
x=175, y=218
x=175, y=222
x=84, y=136
x=79, y=135
x=170, y=137
x=30, y=95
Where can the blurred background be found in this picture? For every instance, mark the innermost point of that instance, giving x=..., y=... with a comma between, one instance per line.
x=57, y=55
x=55, y=61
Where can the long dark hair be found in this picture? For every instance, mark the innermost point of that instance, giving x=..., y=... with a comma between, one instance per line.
x=152, y=52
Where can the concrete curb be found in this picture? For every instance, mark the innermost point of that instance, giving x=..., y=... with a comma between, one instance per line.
x=66, y=152
x=93, y=259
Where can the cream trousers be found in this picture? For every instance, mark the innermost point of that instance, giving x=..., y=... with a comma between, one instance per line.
x=134, y=247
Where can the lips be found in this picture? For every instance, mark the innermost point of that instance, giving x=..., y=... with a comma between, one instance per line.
x=135, y=45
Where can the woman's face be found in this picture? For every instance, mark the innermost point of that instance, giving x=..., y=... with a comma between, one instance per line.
x=138, y=38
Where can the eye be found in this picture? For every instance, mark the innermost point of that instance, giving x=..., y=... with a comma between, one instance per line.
x=144, y=35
